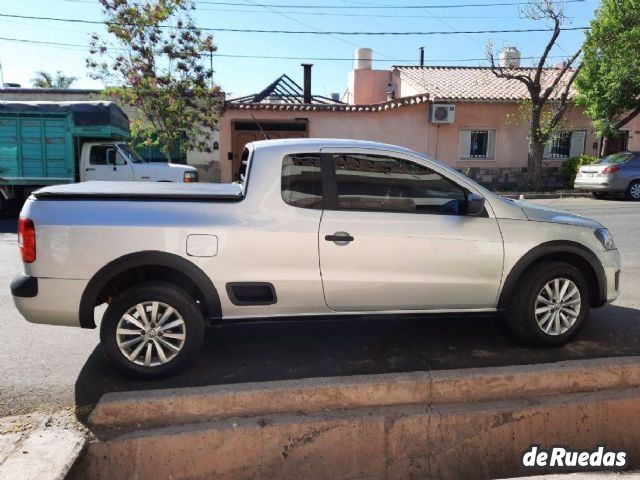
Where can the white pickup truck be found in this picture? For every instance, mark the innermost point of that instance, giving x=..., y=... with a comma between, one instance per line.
x=116, y=161
x=314, y=227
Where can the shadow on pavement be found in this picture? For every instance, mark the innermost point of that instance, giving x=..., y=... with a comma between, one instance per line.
x=8, y=224
x=300, y=349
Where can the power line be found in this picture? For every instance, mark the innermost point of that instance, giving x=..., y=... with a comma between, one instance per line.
x=371, y=7
x=306, y=32
x=270, y=57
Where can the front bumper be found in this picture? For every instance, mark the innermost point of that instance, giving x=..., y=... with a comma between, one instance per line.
x=611, y=264
x=51, y=301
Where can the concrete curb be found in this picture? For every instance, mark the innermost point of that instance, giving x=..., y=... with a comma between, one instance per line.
x=445, y=441
x=145, y=409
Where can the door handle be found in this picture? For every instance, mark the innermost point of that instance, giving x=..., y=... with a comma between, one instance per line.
x=90, y=169
x=339, y=237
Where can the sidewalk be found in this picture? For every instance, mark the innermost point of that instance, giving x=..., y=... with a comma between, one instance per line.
x=39, y=446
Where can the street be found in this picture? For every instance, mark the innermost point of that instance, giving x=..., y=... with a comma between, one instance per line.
x=45, y=368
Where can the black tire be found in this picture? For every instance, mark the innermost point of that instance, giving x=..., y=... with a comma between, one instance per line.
x=521, y=318
x=631, y=191
x=191, y=329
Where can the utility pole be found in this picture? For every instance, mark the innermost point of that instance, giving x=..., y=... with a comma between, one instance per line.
x=1, y=77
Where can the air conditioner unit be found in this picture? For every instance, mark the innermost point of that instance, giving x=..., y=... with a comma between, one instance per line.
x=441, y=113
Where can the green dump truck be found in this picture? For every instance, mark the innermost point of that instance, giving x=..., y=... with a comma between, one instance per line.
x=48, y=143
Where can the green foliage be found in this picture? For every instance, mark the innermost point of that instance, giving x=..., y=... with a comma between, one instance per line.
x=609, y=83
x=569, y=169
x=46, y=80
x=157, y=59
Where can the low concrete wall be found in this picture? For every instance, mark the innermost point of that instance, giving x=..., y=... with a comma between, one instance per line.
x=457, y=424
x=174, y=406
x=480, y=440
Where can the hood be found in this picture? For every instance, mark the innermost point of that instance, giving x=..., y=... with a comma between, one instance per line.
x=161, y=165
x=541, y=213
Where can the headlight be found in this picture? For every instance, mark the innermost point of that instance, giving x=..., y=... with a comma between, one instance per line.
x=190, y=177
x=605, y=238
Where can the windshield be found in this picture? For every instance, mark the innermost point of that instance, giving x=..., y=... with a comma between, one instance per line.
x=612, y=159
x=131, y=153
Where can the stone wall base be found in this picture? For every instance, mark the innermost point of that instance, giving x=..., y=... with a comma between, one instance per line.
x=512, y=178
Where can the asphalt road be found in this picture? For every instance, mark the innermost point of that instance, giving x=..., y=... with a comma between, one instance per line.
x=52, y=368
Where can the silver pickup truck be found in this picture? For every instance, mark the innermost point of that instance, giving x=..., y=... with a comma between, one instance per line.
x=314, y=227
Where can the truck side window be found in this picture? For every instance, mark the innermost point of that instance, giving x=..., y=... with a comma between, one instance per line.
x=98, y=155
x=301, y=184
x=381, y=183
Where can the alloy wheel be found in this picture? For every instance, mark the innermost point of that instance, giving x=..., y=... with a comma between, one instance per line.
x=151, y=334
x=634, y=191
x=557, y=306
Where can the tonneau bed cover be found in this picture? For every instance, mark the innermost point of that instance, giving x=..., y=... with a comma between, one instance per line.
x=142, y=191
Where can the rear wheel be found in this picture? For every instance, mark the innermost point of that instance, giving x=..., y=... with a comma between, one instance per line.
x=633, y=191
x=152, y=330
x=550, y=304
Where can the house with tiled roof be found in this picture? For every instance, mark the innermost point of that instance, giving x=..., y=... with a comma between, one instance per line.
x=463, y=116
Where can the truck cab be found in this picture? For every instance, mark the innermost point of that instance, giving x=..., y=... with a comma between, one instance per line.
x=117, y=161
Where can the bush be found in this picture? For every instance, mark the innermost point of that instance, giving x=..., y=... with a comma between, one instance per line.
x=569, y=169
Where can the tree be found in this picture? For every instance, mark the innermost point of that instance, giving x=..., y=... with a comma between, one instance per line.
x=548, y=88
x=156, y=60
x=46, y=80
x=609, y=83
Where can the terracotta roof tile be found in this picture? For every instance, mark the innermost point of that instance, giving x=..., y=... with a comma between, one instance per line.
x=470, y=83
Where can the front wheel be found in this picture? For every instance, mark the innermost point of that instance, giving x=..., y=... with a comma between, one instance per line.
x=550, y=304
x=152, y=330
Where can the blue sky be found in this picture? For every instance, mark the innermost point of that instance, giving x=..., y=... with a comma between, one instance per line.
x=240, y=76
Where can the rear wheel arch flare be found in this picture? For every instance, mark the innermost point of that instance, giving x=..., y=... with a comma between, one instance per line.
x=563, y=251
x=139, y=267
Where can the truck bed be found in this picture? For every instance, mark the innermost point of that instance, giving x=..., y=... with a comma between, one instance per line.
x=142, y=191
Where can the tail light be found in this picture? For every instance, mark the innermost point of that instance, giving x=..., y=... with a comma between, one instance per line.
x=610, y=170
x=27, y=239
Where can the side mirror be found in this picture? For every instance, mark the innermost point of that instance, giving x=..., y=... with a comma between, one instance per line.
x=475, y=204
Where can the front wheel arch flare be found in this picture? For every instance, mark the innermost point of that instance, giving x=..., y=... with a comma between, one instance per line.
x=138, y=262
x=565, y=251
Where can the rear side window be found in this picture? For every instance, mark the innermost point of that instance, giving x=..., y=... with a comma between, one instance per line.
x=381, y=183
x=301, y=180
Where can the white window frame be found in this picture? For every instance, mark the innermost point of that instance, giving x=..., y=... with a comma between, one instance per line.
x=464, y=144
x=577, y=145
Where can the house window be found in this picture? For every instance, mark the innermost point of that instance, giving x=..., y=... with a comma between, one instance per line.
x=565, y=144
x=477, y=144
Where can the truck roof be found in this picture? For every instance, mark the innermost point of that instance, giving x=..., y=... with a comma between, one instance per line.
x=314, y=143
x=84, y=113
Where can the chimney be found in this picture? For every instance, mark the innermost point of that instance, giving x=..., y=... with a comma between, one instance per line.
x=307, y=82
x=362, y=59
x=422, y=56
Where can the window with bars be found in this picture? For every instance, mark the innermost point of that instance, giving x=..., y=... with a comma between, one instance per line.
x=565, y=144
x=477, y=144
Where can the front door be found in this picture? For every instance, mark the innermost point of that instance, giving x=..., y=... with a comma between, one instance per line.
x=106, y=163
x=399, y=239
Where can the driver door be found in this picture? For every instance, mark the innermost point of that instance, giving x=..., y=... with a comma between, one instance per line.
x=398, y=239
x=106, y=163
